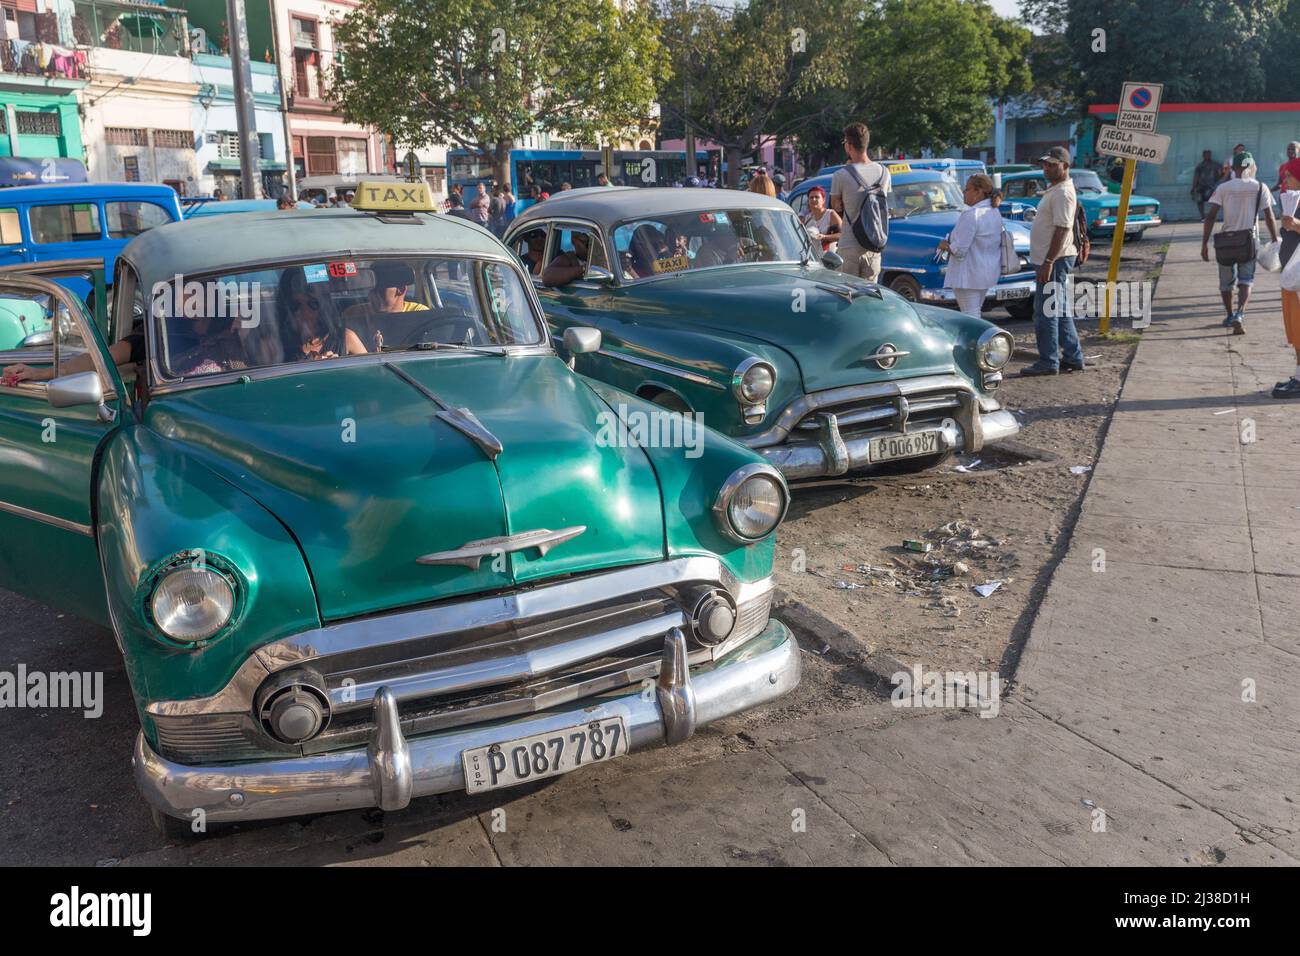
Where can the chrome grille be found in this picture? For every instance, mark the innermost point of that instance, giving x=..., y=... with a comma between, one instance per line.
x=887, y=414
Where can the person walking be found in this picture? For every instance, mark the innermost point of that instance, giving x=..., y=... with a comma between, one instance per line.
x=850, y=187
x=1205, y=178
x=1052, y=252
x=974, y=247
x=1290, y=200
x=1242, y=199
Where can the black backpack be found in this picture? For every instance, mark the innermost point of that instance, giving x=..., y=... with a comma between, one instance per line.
x=871, y=224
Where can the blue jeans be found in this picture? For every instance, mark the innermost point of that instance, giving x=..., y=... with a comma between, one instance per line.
x=1057, y=337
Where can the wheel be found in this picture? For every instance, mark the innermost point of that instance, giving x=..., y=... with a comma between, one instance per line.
x=172, y=828
x=670, y=401
x=1022, y=310
x=1137, y=236
x=906, y=286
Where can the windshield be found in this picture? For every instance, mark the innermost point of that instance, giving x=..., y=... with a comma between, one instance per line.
x=325, y=310
x=1086, y=181
x=698, y=240
x=909, y=199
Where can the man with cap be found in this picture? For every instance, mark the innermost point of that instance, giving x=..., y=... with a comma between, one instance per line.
x=1242, y=199
x=1052, y=252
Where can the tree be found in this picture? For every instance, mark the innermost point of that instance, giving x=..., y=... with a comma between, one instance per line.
x=483, y=73
x=742, y=67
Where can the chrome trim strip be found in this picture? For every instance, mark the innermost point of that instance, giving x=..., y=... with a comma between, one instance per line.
x=800, y=407
x=61, y=523
x=471, y=553
x=450, y=618
x=762, y=671
x=666, y=369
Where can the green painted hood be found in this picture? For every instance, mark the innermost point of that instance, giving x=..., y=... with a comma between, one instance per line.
x=829, y=339
x=408, y=484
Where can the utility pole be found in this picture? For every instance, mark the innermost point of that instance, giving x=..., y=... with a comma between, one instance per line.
x=689, y=134
x=245, y=114
x=290, y=170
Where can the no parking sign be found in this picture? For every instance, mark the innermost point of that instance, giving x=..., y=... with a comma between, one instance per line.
x=1138, y=106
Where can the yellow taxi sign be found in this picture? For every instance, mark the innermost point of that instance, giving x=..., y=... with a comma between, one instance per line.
x=393, y=197
x=899, y=168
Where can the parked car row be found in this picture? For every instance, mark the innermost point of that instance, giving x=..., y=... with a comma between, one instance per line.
x=373, y=513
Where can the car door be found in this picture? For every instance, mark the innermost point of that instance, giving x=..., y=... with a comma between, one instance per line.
x=47, y=453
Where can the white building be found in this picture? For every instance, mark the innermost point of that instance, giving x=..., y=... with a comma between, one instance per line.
x=216, y=130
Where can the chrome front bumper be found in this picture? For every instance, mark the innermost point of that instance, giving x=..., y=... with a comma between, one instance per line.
x=948, y=297
x=832, y=454
x=393, y=769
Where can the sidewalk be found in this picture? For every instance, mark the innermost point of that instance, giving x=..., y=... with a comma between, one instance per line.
x=1128, y=698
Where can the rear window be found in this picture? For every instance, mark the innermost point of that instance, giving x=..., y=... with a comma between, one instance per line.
x=127, y=220
x=71, y=222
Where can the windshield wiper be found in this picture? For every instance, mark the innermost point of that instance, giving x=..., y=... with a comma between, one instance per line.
x=498, y=350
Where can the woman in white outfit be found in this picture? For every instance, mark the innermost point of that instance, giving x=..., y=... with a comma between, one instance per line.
x=974, y=247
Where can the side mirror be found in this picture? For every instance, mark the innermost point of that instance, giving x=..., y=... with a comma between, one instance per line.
x=581, y=339
x=38, y=340
x=599, y=276
x=832, y=260
x=81, y=388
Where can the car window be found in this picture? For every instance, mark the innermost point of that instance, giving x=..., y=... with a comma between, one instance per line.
x=1022, y=188
x=800, y=204
x=11, y=230
x=707, y=238
x=1086, y=181
x=320, y=311
x=931, y=196
x=530, y=248
x=128, y=219
x=564, y=247
x=34, y=325
x=65, y=222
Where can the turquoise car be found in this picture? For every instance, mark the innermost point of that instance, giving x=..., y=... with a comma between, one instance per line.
x=1102, y=207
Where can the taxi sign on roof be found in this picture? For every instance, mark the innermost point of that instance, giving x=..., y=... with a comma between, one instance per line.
x=393, y=197
x=899, y=168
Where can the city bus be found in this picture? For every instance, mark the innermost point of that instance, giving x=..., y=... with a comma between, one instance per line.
x=549, y=168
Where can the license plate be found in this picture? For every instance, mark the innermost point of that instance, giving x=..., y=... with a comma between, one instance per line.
x=1013, y=293
x=903, y=446
x=523, y=759
x=1130, y=227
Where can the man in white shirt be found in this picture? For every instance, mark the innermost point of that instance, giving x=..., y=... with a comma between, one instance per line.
x=1052, y=252
x=1242, y=199
x=847, y=195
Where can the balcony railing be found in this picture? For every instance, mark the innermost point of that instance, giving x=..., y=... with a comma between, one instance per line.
x=139, y=27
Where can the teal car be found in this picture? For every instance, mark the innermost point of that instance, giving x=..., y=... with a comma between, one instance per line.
x=361, y=534
x=1100, y=205
x=713, y=302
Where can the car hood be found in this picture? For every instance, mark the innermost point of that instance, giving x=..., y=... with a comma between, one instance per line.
x=356, y=463
x=807, y=313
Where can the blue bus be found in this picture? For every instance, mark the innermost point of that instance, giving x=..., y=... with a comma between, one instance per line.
x=550, y=168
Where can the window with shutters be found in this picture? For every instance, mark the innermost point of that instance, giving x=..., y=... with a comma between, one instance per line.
x=228, y=145
x=39, y=124
x=126, y=136
x=173, y=138
x=321, y=158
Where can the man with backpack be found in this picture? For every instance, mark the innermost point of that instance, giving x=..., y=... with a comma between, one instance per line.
x=860, y=194
x=1052, y=251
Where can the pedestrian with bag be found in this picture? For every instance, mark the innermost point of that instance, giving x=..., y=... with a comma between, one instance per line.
x=1236, y=245
x=974, y=247
x=1052, y=251
x=860, y=194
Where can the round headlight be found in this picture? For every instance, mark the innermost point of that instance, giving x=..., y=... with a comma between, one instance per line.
x=995, y=348
x=191, y=604
x=751, y=503
x=752, y=382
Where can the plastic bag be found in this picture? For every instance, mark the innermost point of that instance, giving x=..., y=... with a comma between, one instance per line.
x=1290, y=279
x=1270, y=256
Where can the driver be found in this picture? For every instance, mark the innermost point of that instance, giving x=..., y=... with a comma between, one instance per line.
x=569, y=266
x=392, y=280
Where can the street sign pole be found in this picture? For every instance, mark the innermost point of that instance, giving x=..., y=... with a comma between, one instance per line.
x=1117, y=243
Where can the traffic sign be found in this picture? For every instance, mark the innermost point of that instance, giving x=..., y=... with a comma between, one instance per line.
x=412, y=164
x=1138, y=106
x=1130, y=144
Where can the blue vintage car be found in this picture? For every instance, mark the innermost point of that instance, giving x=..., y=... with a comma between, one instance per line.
x=1100, y=205
x=923, y=207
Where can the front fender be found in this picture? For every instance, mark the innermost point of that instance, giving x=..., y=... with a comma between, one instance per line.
x=154, y=502
x=689, y=480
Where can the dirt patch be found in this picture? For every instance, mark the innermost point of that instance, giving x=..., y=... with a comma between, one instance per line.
x=1001, y=517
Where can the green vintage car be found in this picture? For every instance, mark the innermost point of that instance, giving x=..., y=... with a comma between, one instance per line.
x=361, y=534
x=714, y=302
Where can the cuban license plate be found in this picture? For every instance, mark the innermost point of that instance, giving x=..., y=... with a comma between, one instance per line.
x=523, y=759
x=1133, y=227
x=903, y=446
x=1012, y=292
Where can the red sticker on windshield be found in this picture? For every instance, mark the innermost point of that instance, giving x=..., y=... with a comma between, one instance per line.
x=342, y=270
x=706, y=217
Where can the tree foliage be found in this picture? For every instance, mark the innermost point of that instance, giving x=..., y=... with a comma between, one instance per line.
x=482, y=73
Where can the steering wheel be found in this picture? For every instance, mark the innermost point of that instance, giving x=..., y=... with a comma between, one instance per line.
x=751, y=250
x=451, y=326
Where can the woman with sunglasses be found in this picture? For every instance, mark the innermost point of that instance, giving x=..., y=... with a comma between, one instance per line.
x=305, y=330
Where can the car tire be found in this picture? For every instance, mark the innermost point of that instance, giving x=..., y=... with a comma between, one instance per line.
x=1022, y=310
x=1137, y=236
x=670, y=401
x=174, y=830
x=906, y=286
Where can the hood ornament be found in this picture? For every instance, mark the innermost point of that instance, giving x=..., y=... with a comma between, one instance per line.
x=461, y=419
x=850, y=292
x=471, y=553
x=887, y=355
